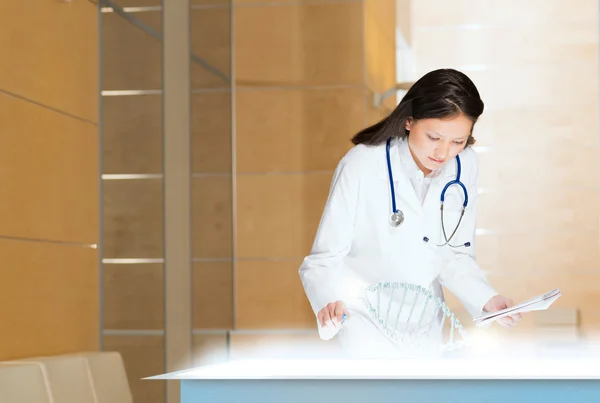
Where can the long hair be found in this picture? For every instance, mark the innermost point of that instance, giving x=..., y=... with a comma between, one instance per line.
x=440, y=94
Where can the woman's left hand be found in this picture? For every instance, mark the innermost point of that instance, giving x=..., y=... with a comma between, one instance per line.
x=499, y=303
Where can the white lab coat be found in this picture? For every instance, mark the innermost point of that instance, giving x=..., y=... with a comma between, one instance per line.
x=355, y=245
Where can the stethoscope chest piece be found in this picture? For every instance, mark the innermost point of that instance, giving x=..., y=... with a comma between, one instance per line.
x=397, y=218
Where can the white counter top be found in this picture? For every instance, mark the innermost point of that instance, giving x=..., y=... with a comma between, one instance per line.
x=459, y=368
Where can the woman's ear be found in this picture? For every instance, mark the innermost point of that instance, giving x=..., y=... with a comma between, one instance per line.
x=408, y=124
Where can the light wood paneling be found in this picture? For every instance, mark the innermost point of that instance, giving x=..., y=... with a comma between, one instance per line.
x=380, y=44
x=53, y=54
x=280, y=213
x=432, y=13
x=49, y=174
x=404, y=19
x=542, y=44
x=143, y=356
x=223, y=3
x=536, y=66
x=548, y=210
x=552, y=86
x=141, y=3
x=131, y=58
x=212, y=295
x=209, y=349
x=269, y=49
x=211, y=41
x=212, y=217
x=133, y=218
x=269, y=295
x=536, y=250
x=211, y=132
x=132, y=134
x=133, y=296
x=51, y=299
x=272, y=3
x=546, y=169
x=296, y=130
x=539, y=128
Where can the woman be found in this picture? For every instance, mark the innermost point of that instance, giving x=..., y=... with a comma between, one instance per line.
x=401, y=165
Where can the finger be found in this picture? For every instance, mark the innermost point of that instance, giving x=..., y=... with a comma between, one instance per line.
x=326, y=317
x=505, y=321
x=516, y=317
x=320, y=317
x=333, y=314
x=339, y=311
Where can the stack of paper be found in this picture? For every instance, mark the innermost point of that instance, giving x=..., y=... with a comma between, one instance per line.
x=538, y=303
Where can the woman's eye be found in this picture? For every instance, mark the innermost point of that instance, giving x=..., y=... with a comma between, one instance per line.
x=433, y=138
x=460, y=143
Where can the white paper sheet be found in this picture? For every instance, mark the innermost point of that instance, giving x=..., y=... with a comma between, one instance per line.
x=539, y=303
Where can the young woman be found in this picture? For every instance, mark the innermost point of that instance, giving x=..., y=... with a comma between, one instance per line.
x=382, y=220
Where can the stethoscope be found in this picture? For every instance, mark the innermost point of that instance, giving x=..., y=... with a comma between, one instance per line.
x=397, y=217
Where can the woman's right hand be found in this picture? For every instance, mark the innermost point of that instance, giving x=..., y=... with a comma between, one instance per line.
x=332, y=313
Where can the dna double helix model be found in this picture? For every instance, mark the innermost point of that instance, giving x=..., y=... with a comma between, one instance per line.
x=414, y=319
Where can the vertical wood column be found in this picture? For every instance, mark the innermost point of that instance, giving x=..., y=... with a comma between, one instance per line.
x=177, y=179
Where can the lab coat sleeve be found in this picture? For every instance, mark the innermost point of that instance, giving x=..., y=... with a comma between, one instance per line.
x=321, y=271
x=462, y=275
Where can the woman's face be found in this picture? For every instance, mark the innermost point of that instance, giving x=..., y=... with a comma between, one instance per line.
x=433, y=142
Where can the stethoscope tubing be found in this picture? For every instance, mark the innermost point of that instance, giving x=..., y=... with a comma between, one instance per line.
x=397, y=213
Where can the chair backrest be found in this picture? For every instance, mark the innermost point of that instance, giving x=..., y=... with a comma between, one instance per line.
x=109, y=377
x=90, y=377
x=24, y=383
x=69, y=377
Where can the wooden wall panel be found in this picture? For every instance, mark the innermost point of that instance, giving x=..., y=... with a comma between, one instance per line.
x=49, y=171
x=133, y=218
x=296, y=130
x=133, y=296
x=269, y=296
x=212, y=291
x=269, y=49
x=211, y=123
x=53, y=50
x=432, y=13
x=211, y=41
x=51, y=299
x=49, y=174
x=380, y=39
x=132, y=134
x=212, y=217
x=131, y=57
x=280, y=213
x=143, y=356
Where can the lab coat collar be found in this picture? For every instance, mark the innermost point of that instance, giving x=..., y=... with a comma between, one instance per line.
x=401, y=160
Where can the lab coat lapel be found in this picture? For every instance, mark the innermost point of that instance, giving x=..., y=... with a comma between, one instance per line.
x=433, y=197
x=405, y=193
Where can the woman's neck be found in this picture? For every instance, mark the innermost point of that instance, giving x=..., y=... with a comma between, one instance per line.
x=421, y=167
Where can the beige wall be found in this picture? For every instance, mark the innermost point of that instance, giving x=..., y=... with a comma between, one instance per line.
x=49, y=172
x=536, y=66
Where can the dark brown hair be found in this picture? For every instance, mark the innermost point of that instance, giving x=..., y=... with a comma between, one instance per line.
x=442, y=93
